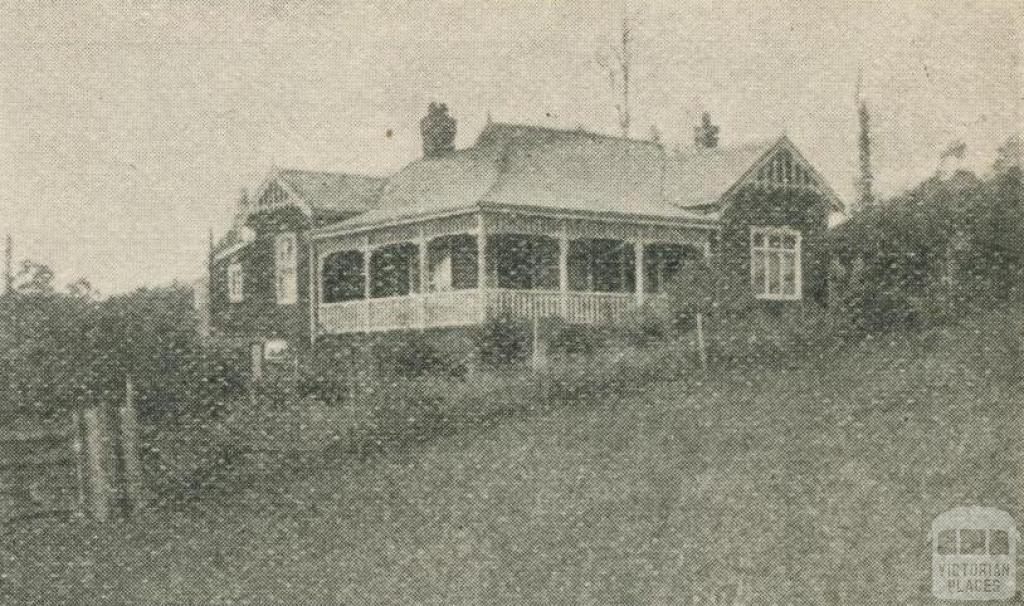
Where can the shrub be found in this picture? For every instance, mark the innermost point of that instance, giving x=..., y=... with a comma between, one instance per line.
x=647, y=325
x=406, y=354
x=923, y=257
x=563, y=338
x=503, y=341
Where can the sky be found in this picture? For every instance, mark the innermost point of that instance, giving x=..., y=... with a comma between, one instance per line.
x=128, y=129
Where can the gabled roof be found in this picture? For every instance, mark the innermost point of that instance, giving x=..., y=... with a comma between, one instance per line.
x=572, y=171
x=532, y=167
x=704, y=178
x=701, y=176
x=321, y=193
x=340, y=192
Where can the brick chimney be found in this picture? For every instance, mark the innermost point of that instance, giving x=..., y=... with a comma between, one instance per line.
x=706, y=135
x=438, y=131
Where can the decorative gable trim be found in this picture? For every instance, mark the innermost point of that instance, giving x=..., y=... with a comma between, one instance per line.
x=764, y=173
x=291, y=198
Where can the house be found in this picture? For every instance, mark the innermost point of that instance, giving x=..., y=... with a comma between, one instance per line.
x=258, y=283
x=528, y=222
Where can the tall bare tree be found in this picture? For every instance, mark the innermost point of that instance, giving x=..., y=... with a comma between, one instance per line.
x=865, y=190
x=620, y=66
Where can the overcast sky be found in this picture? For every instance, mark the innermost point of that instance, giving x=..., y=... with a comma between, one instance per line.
x=126, y=133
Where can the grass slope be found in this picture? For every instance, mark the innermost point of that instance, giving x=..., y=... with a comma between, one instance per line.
x=811, y=482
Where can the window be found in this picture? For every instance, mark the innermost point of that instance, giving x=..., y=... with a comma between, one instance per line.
x=775, y=263
x=235, y=283
x=286, y=269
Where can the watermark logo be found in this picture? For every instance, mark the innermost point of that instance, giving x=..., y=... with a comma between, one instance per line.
x=974, y=554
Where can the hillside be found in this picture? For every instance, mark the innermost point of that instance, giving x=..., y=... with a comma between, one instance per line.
x=812, y=482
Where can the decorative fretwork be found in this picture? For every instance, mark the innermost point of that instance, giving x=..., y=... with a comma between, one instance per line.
x=273, y=195
x=784, y=170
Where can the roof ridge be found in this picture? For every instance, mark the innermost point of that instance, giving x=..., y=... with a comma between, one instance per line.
x=497, y=126
x=764, y=142
x=332, y=173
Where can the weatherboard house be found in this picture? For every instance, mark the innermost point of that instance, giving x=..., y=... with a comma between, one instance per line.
x=528, y=222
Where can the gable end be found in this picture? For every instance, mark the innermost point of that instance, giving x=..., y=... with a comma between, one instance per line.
x=783, y=166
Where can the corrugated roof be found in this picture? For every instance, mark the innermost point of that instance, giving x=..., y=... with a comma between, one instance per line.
x=333, y=192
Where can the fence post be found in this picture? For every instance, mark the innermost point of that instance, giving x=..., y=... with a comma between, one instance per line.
x=538, y=356
x=95, y=449
x=80, y=465
x=700, y=343
x=132, y=480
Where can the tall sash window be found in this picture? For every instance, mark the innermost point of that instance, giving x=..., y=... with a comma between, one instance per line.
x=286, y=269
x=775, y=263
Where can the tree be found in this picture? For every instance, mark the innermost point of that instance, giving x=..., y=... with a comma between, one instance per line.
x=83, y=289
x=33, y=279
x=866, y=196
x=1010, y=156
x=619, y=67
x=865, y=181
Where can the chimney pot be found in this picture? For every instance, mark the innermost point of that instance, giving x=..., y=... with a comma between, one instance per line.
x=437, y=129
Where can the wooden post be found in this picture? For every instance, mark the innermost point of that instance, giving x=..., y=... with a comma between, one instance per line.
x=537, y=357
x=364, y=318
x=80, y=464
x=95, y=445
x=314, y=300
x=638, y=247
x=424, y=278
x=563, y=271
x=132, y=480
x=481, y=265
x=367, y=255
x=256, y=354
x=700, y=342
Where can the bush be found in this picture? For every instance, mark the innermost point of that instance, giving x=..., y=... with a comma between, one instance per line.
x=504, y=341
x=927, y=256
x=647, y=325
x=406, y=354
x=567, y=339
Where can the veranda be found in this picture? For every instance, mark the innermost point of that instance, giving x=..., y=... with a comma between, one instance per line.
x=426, y=273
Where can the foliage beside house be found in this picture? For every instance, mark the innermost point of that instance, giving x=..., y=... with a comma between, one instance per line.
x=934, y=252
